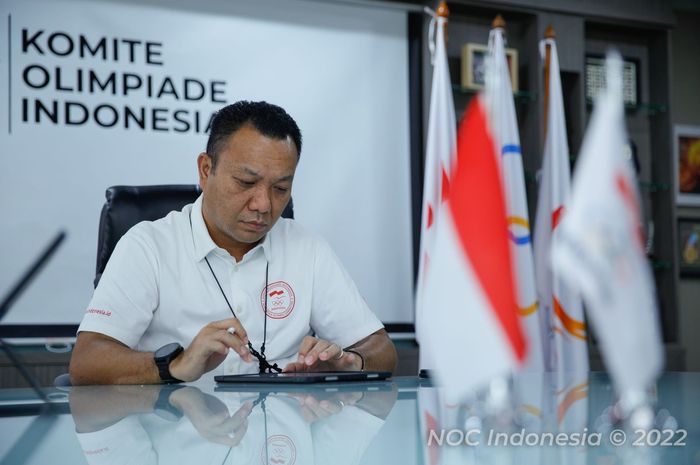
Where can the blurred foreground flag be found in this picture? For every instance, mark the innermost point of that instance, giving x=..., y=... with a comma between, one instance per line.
x=473, y=330
x=598, y=246
x=439, y=155
x=566, y=347
x=501, y=112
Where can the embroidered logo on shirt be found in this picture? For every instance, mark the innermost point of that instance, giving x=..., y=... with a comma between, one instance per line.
x=96, y=451
x=280, y=300
x=279, y=450
x=99, y=312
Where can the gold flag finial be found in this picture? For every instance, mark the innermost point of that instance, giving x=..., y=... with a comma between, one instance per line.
x=549, y=33
x=498, y=21
x=442, y=10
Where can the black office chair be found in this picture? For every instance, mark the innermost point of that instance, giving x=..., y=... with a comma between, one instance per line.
x=128, y=205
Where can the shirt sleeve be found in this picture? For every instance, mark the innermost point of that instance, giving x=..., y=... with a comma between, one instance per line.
x=124, y=442
x=122, y=306
x=338, y=312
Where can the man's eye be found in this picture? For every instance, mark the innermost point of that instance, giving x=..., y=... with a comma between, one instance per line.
x=245, y=183
x=282, y=190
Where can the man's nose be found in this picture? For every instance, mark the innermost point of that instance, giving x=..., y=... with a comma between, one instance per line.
x=260, y=201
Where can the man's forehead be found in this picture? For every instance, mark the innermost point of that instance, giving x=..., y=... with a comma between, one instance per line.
x=247, y=140
x=248, y=130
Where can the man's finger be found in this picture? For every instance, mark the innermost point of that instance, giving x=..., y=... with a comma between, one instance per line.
x=312, y=356
x=234, y=323
x=332, y=407
x=232, y=342
x=332, y=353
x=238, y=418
x=294, y=367
x=233, y=438
x=235, y=342
x=306, y=344
x=314, y=406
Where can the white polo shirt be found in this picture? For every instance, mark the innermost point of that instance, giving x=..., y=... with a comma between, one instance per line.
x=157, y=289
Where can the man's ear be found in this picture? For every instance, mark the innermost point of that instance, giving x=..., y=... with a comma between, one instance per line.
x=204, y=168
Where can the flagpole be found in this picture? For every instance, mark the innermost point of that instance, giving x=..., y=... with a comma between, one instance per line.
x=499, y=393
x=548, y=34
x=444, y=12
x=439, y=157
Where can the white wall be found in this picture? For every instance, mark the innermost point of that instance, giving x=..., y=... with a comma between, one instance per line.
x=341, y=71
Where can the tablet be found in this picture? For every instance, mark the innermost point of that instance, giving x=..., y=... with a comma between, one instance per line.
x=317, y=389
x=305, y=378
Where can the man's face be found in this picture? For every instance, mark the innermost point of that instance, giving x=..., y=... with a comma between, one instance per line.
x=248, y=190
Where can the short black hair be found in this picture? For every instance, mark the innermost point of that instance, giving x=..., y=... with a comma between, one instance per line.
x=268, y=119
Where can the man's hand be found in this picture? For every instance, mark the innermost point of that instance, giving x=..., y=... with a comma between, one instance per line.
x=317, y=406
x=209, y=348
x=319, y=355
x=210, y=417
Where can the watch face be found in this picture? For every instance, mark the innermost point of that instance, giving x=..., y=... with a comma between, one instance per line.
x=166, y=350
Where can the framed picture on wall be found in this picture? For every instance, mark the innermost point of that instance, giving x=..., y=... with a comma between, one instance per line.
x=686, y=157
x=595, y=78
x=474, y=66
x=689, y=246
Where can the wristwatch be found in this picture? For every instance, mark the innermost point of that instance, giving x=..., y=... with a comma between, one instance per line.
x=163, y=357
x=163, y=408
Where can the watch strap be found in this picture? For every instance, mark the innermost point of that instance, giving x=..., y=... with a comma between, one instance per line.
x=163, y=364
x=163, y=408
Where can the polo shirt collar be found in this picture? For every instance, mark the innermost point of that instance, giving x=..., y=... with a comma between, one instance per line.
x=204, y=244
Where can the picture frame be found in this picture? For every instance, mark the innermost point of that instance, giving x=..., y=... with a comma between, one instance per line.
x=689, y=246
x=474, y=66
x=595, y=79
x=686, y=160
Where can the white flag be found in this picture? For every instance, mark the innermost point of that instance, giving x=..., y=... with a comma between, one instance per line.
x=598, y=246
x=561, y=309
x=440, y=152
x=501, y=111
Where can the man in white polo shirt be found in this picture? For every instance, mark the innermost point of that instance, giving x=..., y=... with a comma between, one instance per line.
x=225, y=282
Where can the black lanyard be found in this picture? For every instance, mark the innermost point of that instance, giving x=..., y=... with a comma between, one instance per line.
x=262, y=396
x=263, y=365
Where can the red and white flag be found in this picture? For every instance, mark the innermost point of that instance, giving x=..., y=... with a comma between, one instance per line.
x=473, y=331
x=566, y=346
x=599, y=247
x=501, y=112
x=440, y=151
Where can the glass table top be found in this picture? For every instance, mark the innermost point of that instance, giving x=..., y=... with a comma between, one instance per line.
x=539, y=420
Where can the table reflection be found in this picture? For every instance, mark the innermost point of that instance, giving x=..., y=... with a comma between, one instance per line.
x=377, y=423
x=183, y=424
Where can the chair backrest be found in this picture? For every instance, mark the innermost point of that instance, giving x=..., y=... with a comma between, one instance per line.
x=128, y=205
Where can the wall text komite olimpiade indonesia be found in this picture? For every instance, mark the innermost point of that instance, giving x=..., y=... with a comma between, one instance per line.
x=178, y=100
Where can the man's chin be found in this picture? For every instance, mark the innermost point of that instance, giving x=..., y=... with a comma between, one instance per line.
x=250, y=237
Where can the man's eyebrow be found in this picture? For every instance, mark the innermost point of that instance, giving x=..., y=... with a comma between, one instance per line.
x=251, y=172
x=285, y=178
